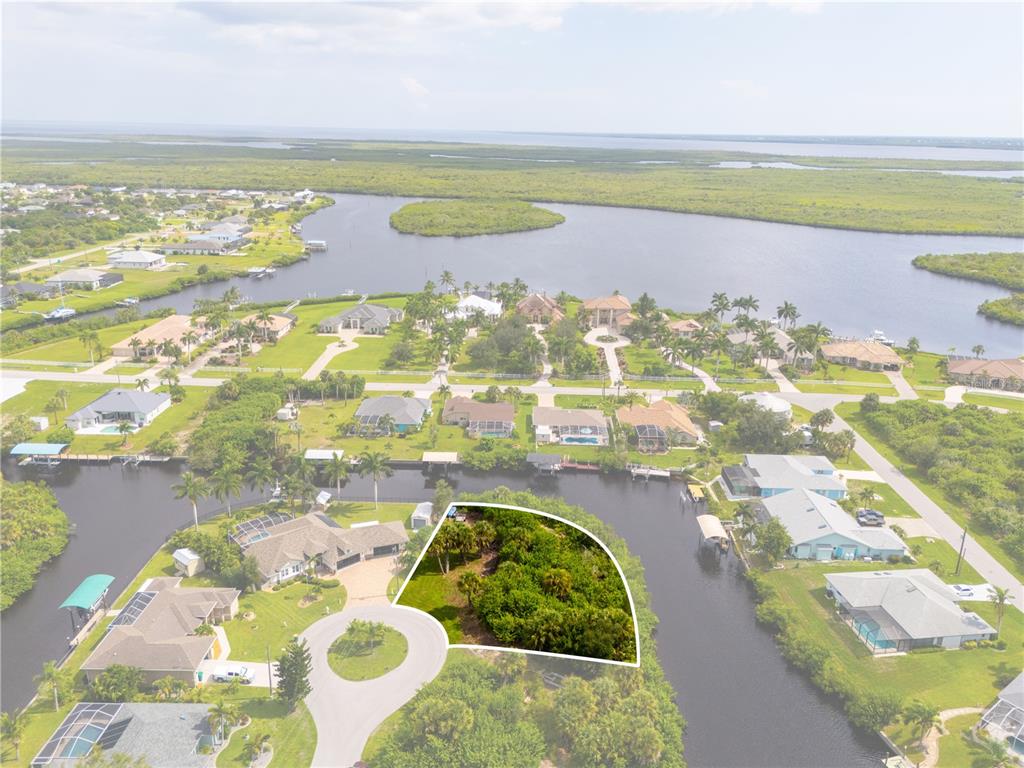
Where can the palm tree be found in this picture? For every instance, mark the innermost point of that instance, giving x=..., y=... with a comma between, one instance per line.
x=993, y=751
x=90, y=339
x=978, y=350
x=189, y=338
x=136, y=344
x=924, y=716
x=444, y=391
x=63, y=394
x=193, y=488
x=1000, y=598
x=12, y=727
x=720, y=304
x=225, y=483
x=472, y=586
x=720, y=345
x=374, y=464
x=263, y=316
x=448, y=280
x=124, y=428
x=54, y=406
x=142, y=384
x=386, y=424
x=337, y=471
x=786, y=313
x=52, y=678
x=865, y=496
x=221, y=716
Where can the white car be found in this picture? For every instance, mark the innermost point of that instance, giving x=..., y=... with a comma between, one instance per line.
x=226, y=673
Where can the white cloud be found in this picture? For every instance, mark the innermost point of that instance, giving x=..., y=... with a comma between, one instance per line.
x=414, y=87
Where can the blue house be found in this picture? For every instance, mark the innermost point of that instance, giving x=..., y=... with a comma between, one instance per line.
x=822, y=530
x=407, y=413
x=763, y=475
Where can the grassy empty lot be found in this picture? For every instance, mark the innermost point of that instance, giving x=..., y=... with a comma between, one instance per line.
x=430, y=591
x=370, y=352
x=72, y=350
x=387, y=655
x=845, y=380
x=997, y=401
x=923, y=370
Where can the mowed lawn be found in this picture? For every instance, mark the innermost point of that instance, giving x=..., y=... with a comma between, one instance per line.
x=854, y=381
x=72, y=350
x=370, y=352
x=432, y=592
x=348, y=512
x=292, y=734
x=1015, y=404
x=924, y=370
x=387, y=655
x=945, y=679
x=886, y=500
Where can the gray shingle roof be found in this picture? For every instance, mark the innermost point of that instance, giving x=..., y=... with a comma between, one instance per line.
x=404, y=410
x=370, y=315
x=808, y=516
x=122, y=401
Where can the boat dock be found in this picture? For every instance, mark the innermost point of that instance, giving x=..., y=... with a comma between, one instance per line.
x=641, y=472
x=316, y=246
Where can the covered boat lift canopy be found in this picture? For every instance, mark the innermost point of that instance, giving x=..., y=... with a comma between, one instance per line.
x=38, y=449
x=87, y=598
x=712, y=530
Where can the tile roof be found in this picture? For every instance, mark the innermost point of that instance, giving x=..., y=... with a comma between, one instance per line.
x=864, y=351
x=663, y=413
x=548, y=416
x=616, y=301
x=474, y=410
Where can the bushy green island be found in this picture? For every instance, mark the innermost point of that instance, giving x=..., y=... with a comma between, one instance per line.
x=1008, y=310
x=1005, y=269
x=34, y=530
x=465, y=218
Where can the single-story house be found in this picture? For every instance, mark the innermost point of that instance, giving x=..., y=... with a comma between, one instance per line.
x=422, y=516
x=8, y=297
x=195, y=247
x=275, y=327
x=615, y=312
x=570, y=426
x=540, y=308
x=660, y=425
x=117, y=405
x=156, y=631
x=284, y=548
x=771, y=403
x=987, y=374
x=471, y=305
x=84, y=279
x=684, y=328
x=171, y=328
x=29, y=291
x=407, y=413
x=365, y=318
x=822, y=530
x=136, y=259
x=780, y=337
x=158, y=735
x=762, y=475
x=480, y=419
x=896, y=611
x=1004, y=720
x=869, y=355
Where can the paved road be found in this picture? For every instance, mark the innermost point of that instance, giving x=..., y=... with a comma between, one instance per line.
x=346, y=712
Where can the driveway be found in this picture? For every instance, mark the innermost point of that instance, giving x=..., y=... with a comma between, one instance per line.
x=261, y=673
x=609, y=347
x=347, y=712
x=367, y=582
x=346, y=342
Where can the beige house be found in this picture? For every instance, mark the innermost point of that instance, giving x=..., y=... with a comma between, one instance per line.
x=569, y=426
x=156, y=631
x=480, y=419
x=987, y=374
x=868, y=355
x=660, y=425
x=275, y=327
x=540, y=308
x=171, y=328
x=611, y=311
x=684, y=328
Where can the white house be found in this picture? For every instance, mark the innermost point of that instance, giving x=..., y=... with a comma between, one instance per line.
x=118, y=405
x=771, y=403
x=822, y=530
x=471, y=305
x=130, y=259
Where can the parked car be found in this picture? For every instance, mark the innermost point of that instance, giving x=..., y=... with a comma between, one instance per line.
x=870, y=518
x=227, y=673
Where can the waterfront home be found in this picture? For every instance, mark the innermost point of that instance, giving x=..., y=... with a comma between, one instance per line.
x=172, y=328
x=365, y=318
x=471, y=306
x=284, y=548
x=407, y=413
x=8, y=297
x=84, y=279
x=782, y=341
x=275, y=326
x=117, y=405
x=28, y=291
x=480, y=419
x=136, y=259
x=684, y=328
x=195, y=248
x=897, y=611
x=659, y=426
x=867, y=355
x=422, y=516
x=613, y=312
x=822, y=530
x=762, y=475
x=774, y=404
x=156, y=631
x=570, y=426
x=157, y=735
x=987, y=374
x=540, y=308
x=1004, y=720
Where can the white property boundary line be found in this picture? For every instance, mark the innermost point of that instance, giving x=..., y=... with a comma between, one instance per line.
x=486, y=505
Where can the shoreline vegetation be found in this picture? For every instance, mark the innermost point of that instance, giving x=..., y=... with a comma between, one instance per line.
x=871, y=198
x=34, y=531
x=1003, y=269
x=467, y=218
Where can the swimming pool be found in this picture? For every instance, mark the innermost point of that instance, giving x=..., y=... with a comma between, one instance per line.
x=580, y=440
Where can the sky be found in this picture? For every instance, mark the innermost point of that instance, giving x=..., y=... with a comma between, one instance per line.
x=918, y=69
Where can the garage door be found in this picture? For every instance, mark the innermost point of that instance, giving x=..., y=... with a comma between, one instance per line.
x=391, y=549
x=347, y=561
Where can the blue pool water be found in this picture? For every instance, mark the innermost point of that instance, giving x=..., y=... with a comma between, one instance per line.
x=581, y=440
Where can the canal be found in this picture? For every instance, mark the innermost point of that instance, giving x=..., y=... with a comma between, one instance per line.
x=853, y=282
x=743, y=704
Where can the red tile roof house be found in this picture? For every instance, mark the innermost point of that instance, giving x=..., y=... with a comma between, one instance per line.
x=611, y=311
x=987, y=374
x=539, y=308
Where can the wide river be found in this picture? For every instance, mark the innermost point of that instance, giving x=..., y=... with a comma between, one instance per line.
x=743, y=704
x=853, y=282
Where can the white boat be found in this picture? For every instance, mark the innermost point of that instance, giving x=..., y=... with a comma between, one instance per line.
x=880, y=336
x=60, y=313
x=131, y=301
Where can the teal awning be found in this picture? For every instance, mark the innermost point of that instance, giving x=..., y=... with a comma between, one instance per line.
x=89, y=592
